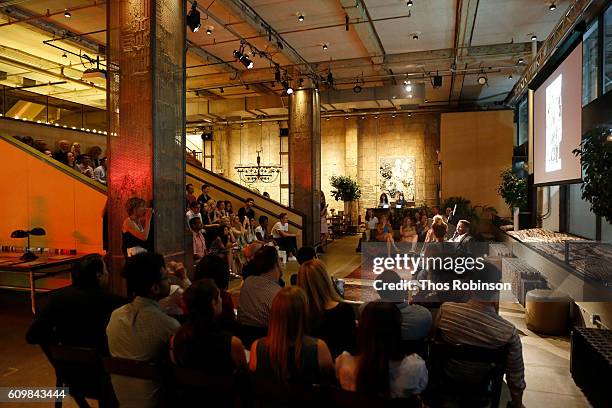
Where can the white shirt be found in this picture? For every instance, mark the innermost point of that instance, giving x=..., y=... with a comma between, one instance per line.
x=100, y=174
x=259, y=230
x=372, y=223
x=190, y=214
x=406, y=378
x=139, y=331
x=279, y=227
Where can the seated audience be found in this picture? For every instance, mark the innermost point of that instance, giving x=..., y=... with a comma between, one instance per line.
x=261, y=231
x=258, y=290
x=136, y=227
x=94, y=152
x=140, y=330
x=408, y=230
x=199, y=242
x=61, y=154
x=285, y=240
x=85, y=166
x=201, y=344
x=287, y=355
x=229, y=209
x=76, y=150
x=179, y=282
x=100, y=171
x=380, y=366
x=220, y=210
x=48, y=153
x=330, y=318
x=77, y=315
x=384, y=233
x=438, y=227
x=371, y=224
x=250, y=226
x=213, y=267
x=423, y=226
x=305, y=254
x=205, y=196
x=477, y=323
x=462, y=236
x=212, y=212
x=416, y=320
x=247, y=210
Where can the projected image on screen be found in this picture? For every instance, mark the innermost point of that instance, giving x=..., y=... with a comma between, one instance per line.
x=557, y=116
x=554, y=124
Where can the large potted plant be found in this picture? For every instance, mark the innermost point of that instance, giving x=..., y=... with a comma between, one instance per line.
x=513, y=190
x=596, y=158
x=347, y=190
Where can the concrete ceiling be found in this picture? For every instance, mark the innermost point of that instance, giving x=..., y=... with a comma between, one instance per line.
x=457, y=39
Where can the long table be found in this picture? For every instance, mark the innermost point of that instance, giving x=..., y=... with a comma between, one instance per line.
x=13, y=269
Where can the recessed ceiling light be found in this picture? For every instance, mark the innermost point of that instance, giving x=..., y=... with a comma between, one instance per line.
x=357, y=88
x=300, y=17
x=67, y=14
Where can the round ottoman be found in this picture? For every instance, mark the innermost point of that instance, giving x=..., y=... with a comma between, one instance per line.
x=547, y=311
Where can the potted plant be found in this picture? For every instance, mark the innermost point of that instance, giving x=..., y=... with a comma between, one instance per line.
x=596, y=159
x=347, y=190
x=513, y=190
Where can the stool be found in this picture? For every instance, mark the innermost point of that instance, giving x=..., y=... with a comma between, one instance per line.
x=547, y=311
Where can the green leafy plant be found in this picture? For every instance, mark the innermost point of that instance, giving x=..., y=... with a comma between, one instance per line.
x=464, y=210
x=344, y=188
x=512, y=189
x=596, y=157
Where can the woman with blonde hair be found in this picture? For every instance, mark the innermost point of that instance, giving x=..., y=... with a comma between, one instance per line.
x=438, y=225
x=331, y=319
x=287, y=354
x=136, y=227
x=408, y=230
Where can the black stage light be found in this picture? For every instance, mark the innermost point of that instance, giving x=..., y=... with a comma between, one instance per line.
x=301, y=18
x=325, y=47
x=193, y=18
x=209, y=31
x=437, y=81
x=552, y=6
x=67, y=14
x=534, y=38
x=415, y=37
x=287, y=87
x=357, y=89
x=246, y=61
x=409, y=3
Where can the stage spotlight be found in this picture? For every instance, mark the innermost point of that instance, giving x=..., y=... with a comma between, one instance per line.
x=521, y=61
x=482, y=79
x=64, y=55
x=325, y=47
x=552, y=6
x=301, y=17
x=193, y=18
x=246, y=61
x=510, y=76
x=534, y=38
x=409, y=3
x=357, y=88
x=67, y=14
x=287, y=87
x=209, y=31
x=408, y=87
x=415, y=37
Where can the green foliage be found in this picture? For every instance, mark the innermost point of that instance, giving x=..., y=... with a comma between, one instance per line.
x=464, y=210
x=512, y=189
x=344, y=188
x=596, y=157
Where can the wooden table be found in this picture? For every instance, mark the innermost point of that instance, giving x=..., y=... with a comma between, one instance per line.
x=43, y=267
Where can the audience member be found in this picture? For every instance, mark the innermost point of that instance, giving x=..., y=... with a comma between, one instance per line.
x=212, y=213
x=477, y=323
x=140, y=330
x=437, y=224
x=76, y=150
x=287, y=354
x=201, y=344
x=179, y=282
x=136, y=227
x=371, y=223
x=100, y=171
x=330, y=318
x=213, y=267
x=423, y=226
x=416, y=320
x=408, y=230
x=189, y=195
x=48, y=153
x=77, y=315
x=193, y=212
x=261, y=232
x=205, y=196
x=220, y=210
x=285, y=240
x=247, y=210
x=94, y=153
x=71, y=160
x=85, y=166
x=199, y=242
x=229, y=209
x=61, y=154
x=380, y=366
x=462, y=236
x=258, y=291
x=305, y=254
x=384, y=233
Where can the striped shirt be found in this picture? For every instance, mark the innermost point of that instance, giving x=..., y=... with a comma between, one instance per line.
x=477, y=324
x=255, y=302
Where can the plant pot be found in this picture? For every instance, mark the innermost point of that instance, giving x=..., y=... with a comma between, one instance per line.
x=515, y=214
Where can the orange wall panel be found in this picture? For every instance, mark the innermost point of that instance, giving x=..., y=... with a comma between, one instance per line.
x=36, y=194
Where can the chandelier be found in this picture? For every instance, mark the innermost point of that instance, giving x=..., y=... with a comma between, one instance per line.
x=251, y=173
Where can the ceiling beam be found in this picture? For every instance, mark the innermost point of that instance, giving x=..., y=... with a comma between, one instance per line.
x=465, y=19
x=356, y=10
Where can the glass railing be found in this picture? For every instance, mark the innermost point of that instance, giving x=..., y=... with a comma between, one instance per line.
x=33, y=107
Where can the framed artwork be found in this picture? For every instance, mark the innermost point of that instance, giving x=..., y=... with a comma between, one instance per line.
x=396, y=175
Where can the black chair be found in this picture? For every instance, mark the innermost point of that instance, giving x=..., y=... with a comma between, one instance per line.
x=220, y=390
x=269, y=393
x=442, y=388
x=81, y=370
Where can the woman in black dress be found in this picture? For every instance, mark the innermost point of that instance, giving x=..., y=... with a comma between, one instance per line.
x=136, y=227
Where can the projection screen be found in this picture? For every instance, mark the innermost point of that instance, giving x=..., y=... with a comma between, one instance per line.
x=557, y=123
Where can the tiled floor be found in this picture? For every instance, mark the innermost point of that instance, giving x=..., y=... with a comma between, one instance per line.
x=549, y=383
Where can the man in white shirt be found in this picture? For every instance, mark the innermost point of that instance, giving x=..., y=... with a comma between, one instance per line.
x=140, y=330
x=100, y=171
x=199, y=242
x=285, y=240
x=194, y=211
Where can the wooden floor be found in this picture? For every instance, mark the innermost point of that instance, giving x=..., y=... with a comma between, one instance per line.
x=549, y=383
